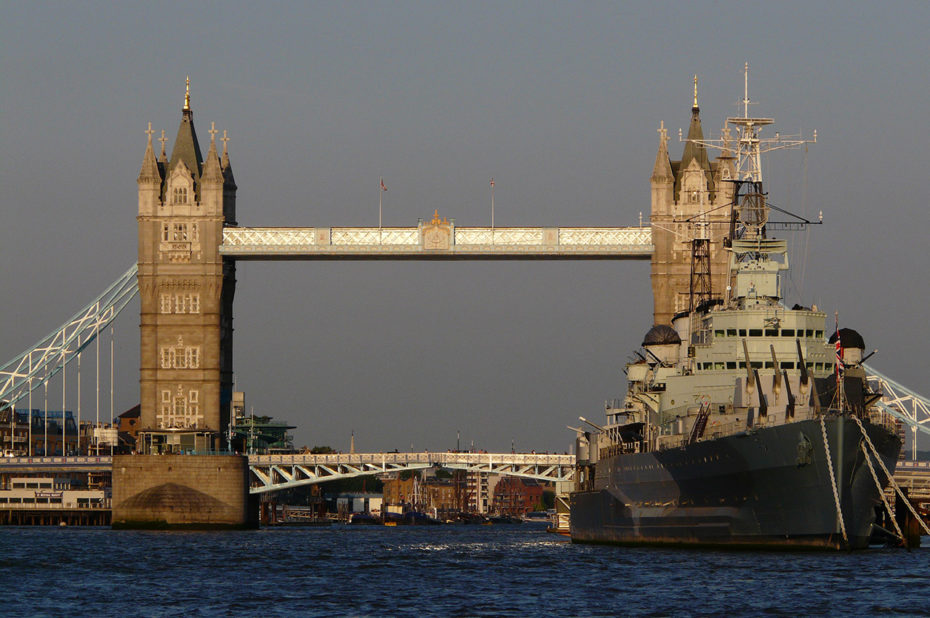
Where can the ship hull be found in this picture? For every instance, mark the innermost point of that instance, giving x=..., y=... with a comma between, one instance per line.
x=764, y=488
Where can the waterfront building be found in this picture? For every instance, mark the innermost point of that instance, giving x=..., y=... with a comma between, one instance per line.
x=16, y=435
x=517, y=496
x=75, y=498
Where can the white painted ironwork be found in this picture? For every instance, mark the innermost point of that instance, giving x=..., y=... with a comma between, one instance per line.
x=34, y=367
x=465, y=242
x=90, y=463
x=907, y=406
x=277, y=472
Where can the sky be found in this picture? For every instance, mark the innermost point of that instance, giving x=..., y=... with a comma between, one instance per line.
x=559, y=102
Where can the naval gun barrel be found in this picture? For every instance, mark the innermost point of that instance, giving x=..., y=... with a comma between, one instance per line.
x=598, y=427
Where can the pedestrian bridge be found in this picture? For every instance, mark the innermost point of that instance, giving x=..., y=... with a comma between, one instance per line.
x=276, y=472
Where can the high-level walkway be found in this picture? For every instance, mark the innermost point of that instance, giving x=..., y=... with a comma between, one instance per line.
x=437, y=240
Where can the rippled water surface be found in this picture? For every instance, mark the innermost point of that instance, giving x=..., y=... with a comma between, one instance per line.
x=451, y=570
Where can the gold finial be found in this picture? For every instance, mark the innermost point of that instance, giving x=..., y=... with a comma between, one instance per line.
x=149, y=132
x=213, y=133
x=437, y=220
x=663, y=132
x=224, y=139
x=695, y=90
x=187, y=95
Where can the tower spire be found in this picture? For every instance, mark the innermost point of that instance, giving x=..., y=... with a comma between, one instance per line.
x=187, y=95
x=163, y=139
x=695, y=105
x=149, y=172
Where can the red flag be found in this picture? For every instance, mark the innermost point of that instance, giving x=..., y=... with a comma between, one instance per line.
x=838, y=347
x=383, y=188
x=492, y=183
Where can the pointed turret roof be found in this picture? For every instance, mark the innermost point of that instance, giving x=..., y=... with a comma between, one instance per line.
x=150, y=171
x=694, y=149
x=662, y=171
x=226, y=165
x=186, y=147
x=211, y=169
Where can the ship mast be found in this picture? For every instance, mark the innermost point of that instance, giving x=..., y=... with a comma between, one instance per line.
x=750, y=210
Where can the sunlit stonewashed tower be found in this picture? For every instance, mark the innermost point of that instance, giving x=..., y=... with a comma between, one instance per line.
x=186, y=290
x=690, y=200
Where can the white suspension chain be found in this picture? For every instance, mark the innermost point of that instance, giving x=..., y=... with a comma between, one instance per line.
x=836, y=494
x=891, y=480
x=881, y=491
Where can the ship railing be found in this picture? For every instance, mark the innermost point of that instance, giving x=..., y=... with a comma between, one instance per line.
x=670, y=441
x=622, y=448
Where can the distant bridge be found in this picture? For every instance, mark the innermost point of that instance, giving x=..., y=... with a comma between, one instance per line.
x=276, y=472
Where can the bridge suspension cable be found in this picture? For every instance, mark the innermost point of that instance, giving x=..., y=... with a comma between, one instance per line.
x=33, y=368
x=902, y=403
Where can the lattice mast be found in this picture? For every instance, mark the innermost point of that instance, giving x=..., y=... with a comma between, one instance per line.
x=750, y=210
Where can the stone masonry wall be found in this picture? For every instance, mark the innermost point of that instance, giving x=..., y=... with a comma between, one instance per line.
x=186, y=491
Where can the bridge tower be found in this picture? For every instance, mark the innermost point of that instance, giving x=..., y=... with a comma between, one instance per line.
x=186, y=289
x=689, y=201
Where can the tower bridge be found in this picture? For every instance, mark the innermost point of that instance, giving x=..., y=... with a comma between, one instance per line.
x=190, y=242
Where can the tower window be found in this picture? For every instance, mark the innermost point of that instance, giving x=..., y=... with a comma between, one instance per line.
x=180, y=357
x=180, y=195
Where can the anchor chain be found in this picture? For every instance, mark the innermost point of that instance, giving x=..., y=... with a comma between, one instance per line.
x=890, y=477
x=836, y=494
x=881, y=492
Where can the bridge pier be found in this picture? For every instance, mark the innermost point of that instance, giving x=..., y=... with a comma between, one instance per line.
x=183, y=492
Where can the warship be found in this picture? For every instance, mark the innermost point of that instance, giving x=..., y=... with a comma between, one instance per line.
x=742, y=425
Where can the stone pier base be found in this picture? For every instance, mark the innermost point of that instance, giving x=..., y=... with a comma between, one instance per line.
x=182, y=491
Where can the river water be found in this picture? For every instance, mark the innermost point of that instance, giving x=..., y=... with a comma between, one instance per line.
x=517, y=570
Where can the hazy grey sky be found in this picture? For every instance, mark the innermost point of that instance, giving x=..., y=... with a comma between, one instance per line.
x=559, y=102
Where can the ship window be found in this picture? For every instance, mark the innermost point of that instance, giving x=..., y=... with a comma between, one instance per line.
x=818, y=366
x=786, y=365
x=742, y=332
x=755, y=365
x=787, y=332
x=810, y=333
x=718, y=333
x=731, y=365
x=718, y=366
x=771, y=333
x=768, y=364
x=810, y=365
x=731, y=332
x=755, y=332
x=819, y=334
x=742, y=365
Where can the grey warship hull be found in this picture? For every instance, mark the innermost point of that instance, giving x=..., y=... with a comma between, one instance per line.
x=768, y=487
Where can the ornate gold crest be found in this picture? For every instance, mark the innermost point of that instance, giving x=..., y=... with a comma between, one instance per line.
x=436, y=235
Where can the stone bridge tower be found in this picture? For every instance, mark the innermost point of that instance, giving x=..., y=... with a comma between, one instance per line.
x=186, y=289
x=690, y=199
